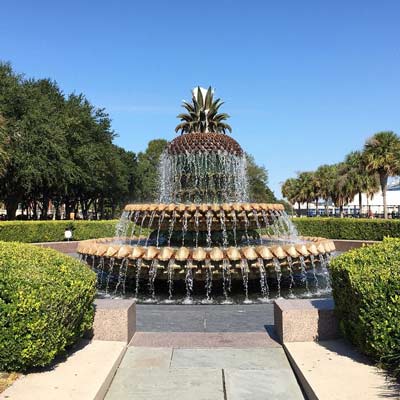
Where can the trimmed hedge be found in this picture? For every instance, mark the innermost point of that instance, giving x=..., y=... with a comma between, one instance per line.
x=46, y=304
x=366, y=289
x=348, y=228
x=53, y=231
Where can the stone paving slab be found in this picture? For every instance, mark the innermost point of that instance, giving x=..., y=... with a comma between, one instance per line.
x=147, y=357
x=333, y=370
x=275, y=383
x=84, y=375
x=167, y=384
x=269, y=358
x=203, y=340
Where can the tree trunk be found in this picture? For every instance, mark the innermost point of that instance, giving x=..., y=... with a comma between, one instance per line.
x=67, y=205
x=359, y=203
x=384, y=179
x=341, y=210
x=298, y=209
x=316, y=207
x=307, y=208
x=11, y=208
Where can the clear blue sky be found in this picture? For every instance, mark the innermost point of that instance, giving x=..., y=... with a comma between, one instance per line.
x=304, y=81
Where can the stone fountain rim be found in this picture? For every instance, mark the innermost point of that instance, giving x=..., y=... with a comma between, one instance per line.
x=227, y=207
x=104, y=247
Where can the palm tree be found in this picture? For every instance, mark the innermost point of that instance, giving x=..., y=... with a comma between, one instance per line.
x=382, y=156
x=325, y=176
x=290, y=190
x=343, y=191
x=306, y=188
x=202, y=114
x=359, y=180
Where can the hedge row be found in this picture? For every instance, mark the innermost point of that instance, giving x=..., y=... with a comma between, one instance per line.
x=333, y=228
x=366, y=289
x=53, y=231
x=46, y=304
x=348, y=228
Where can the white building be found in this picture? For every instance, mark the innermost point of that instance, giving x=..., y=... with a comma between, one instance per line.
x=374, y=204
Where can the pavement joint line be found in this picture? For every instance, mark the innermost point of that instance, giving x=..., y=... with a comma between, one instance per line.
x=224, y=385
x=172, y=355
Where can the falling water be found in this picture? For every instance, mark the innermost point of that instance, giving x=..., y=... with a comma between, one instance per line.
x=291, y=282
x=266, y=223
x=184, y=227
x=171, y=227
x=170, y=278
x=258, y=225
x=208, y=282
x=109, y=275
x=152, y=277
x=244, y=267
x=234, y=227
x=215, y=176
x=189, y=282
x=138, y=269
x=278, y=271
x=100, y=269
x=196, y=227
x=160, y=221
x=324, y=267
x=151, y=220
x=263, y=281
x=314, y=272
x=223, y=227
x=246, y=228
x=122, y=276
x=209, y=223
x=226, y=280
x=304, y=275
x=123, y=225
x=141, y=227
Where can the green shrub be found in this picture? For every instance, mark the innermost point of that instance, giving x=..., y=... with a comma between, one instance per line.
x=366, y=289
x=46, y=303
x=53, y=231
x=348, y=228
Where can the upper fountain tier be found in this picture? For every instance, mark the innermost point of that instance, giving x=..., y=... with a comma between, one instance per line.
x=203, y=168
x=204, y=142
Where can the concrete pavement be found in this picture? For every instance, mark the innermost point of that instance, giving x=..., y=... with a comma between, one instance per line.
x=204, y=374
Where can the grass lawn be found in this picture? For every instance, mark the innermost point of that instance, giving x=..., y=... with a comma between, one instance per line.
x=6, y=379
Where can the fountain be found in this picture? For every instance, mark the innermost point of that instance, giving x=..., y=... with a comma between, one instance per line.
x=204, y=234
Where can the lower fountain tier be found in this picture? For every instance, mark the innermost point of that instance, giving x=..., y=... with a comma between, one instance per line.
x=114, y=248
x=202, y=271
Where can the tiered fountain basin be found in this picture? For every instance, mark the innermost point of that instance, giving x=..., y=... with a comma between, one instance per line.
x=291, y=258
x=182, y=238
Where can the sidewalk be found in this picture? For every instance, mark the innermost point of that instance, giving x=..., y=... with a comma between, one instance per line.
x=204, y=374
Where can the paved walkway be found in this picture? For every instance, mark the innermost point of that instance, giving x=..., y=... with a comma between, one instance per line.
x=204, y=374
x=205, y=352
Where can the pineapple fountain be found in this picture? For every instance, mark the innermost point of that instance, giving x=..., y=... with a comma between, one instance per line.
x=204, y=234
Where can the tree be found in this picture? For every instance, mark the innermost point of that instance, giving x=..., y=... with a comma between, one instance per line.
x=306, y=186
x=359, y=180
x=258, y=182
x=202, y=114
x=326, y=176
x=4, y=139
x=290, y=190
x=343, y=190
x=148, y=175
x=382, y=157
